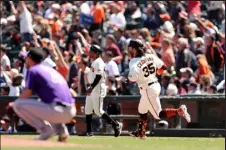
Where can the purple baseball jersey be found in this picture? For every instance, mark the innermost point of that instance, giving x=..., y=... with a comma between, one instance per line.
x=48, y=84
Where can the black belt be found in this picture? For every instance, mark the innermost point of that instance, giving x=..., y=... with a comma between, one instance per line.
x=149, y=84
x=60, y=104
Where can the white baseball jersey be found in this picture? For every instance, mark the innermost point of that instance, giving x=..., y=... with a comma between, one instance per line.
x=94, y=102
x=97, y=68
x=143, y=70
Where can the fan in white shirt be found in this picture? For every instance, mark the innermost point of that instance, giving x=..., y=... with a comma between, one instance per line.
x=117, y=18
x=48, y=61
x=84, y=8
x=111, y=67
x=5, y=62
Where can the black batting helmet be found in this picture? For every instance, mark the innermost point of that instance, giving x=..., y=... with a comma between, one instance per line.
x=96, y=49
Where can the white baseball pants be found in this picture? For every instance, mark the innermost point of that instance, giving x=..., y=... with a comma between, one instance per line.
x=44, y=116
x=150, y=100
x=94, y=102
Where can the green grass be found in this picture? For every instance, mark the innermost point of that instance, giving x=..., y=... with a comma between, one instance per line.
x=130, y=143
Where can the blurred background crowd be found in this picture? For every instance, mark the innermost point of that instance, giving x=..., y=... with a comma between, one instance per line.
x=189, y=36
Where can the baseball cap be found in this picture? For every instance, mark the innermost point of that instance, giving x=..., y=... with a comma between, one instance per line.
x=96, y=49
x=36, y=54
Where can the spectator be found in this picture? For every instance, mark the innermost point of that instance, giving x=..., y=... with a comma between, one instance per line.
x=98, y=13
x=5, y=125
x=212, y=89
x=26, y=28
x=83, y=76
x=111, y=67
x=213, y=54
x=167, y=53
x=121, y=40
x=4, y=89
x=194, y=9
x=185, y=57
x=193, y=89
x=84, y=7
x=5, y=62
x=181, y=90
x=111, y=89
x=48, y=61
x=199, y=45
x=112, y=47
x=187, y=74
x=165, y=81
x=153, y=21
x=171, y=90
x=145, y=35
x=203, y=68
x=117, y=19
x=56, y=27
x=73, y=67
x=204, y=83
x=61, y=65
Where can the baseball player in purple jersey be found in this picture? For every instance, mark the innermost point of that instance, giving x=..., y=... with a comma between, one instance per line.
x=56, y=106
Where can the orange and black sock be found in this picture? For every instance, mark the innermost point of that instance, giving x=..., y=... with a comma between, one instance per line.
x=168, y=112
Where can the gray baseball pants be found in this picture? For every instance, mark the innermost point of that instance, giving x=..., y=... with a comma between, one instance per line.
x=44, y=116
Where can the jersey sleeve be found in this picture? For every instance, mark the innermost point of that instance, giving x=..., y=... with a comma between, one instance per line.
x=158, y=62
x=133, y=74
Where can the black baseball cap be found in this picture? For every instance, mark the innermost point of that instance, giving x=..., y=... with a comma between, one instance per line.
x=36, y=54
x=96, y=49
x=136, y=44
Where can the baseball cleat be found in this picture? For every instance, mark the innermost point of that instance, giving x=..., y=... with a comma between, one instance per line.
x=135, y=134
x=45, y=135
x=184, y=113
x=118, y=129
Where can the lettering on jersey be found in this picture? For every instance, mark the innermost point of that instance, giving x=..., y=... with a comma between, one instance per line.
x=144, y=61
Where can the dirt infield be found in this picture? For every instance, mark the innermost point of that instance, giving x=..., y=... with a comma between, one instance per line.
x=7, y=141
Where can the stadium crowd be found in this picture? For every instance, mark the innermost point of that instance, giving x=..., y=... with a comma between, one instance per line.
x=189, y=36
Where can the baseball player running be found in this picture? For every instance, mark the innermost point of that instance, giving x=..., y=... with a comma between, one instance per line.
x=96, y=93
x=143, y=68
x=56, y=106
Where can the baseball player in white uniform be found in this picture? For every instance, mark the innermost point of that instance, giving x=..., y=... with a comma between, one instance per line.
x=143, y=69
x=96, y=93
